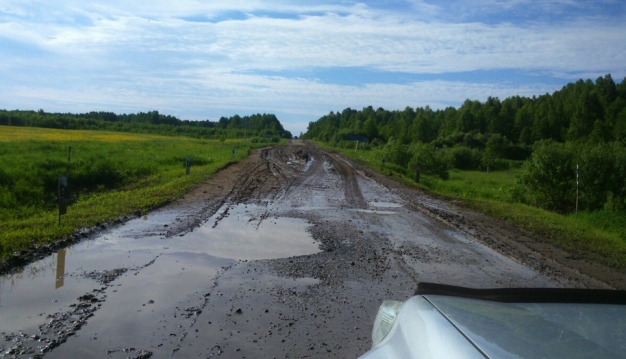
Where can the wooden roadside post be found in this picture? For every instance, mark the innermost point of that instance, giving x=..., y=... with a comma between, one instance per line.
x=577, y=188
x=63, y=189
x=62, y=196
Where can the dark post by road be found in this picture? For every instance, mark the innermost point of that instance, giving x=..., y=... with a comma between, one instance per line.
x=232, y=155
x=64, y=192
x=69, y=154
x=417, y=175
x=384, y=162
x=188, y=164
x=577, y=188
x=67, y=173
x=62, y=196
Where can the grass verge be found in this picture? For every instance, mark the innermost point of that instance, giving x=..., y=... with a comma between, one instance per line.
x=111, y=175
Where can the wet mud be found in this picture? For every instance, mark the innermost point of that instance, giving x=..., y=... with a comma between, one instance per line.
x=287, y=255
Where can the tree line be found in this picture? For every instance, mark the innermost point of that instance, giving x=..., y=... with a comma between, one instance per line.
x=259, y=125
x=583, y=124
x=579, y=111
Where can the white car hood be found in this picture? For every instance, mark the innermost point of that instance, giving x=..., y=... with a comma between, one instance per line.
x=434, y=326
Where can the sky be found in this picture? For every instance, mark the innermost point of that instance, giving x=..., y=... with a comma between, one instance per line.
x=298, y=59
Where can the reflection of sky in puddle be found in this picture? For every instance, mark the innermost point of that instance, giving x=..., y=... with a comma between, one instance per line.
x=384, y=204
x=50, y=284
x=41, y=287
x=458, y=236
x=371, y=211
x=299, y=284
x=240, y=236
x=311, y=208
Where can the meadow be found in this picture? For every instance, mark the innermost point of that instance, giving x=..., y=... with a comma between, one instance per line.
x=110, y=175
x=600, y=235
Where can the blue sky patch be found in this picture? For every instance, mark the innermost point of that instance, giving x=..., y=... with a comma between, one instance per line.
x=357, y=76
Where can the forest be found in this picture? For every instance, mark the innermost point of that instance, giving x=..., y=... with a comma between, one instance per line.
x=577, y=133
x=152, y=122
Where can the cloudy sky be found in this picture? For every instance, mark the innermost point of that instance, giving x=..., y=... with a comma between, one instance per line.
x=297, y=59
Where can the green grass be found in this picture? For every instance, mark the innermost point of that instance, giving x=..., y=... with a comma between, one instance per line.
x=111, y=175
x=577, y=233
x=600, y=235
x=475, y=185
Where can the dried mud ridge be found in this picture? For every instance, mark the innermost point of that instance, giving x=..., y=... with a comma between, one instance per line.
x=323, y=304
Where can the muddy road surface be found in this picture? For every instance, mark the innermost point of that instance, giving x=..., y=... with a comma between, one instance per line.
x=287, y=254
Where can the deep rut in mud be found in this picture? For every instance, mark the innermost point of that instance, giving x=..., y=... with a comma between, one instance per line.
x=286, y=254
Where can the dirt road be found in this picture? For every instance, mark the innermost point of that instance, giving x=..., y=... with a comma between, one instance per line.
x=287, y=255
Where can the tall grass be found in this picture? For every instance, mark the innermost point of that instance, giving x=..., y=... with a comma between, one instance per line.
x=475, y=185
x=110, y=175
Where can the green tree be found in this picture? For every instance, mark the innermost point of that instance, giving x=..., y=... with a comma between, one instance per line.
x=466, y=119
x=464, y=158
x=587, y=110
x=495, y=148
x=428, y=160
x=370, y=128
x=397, y=152
x=620, y=127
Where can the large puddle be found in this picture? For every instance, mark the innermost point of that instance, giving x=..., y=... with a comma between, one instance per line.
x=245, y=232
x=135, y=270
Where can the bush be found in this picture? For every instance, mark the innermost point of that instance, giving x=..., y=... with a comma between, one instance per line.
x=429, y=161
x=377, y=142
x=396, y=152
x=596, y=168
x=551, y=175
x=464, y=158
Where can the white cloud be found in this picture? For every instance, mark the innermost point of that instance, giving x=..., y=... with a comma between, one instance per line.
x=360, y=39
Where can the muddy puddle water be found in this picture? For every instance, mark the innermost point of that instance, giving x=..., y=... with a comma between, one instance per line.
x=248, y=232
x=139, y=288
x=384, y=204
